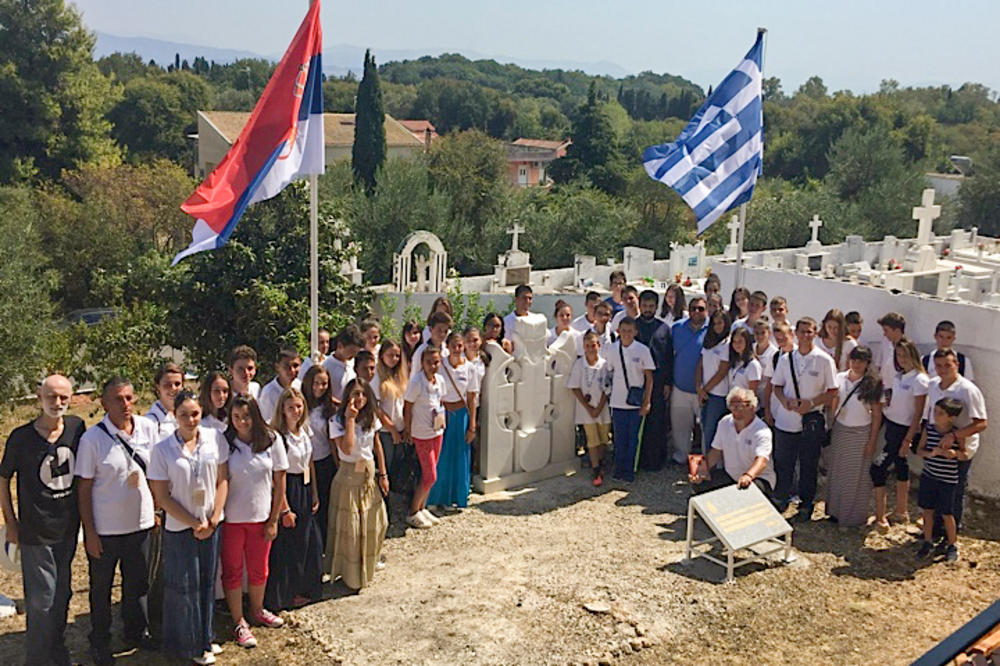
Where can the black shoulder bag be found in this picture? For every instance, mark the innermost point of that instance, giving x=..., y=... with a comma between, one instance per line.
x=635, y=394
x=813, y=423
x=131, y=452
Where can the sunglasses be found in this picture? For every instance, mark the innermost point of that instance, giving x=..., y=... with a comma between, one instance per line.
x=699, y=308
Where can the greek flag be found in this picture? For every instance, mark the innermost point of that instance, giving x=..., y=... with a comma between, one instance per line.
x=715, y=161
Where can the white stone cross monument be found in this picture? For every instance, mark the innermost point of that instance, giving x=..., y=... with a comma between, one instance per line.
x=514, y=231
x=815, y=224
x=734, y=229
x=925, y=214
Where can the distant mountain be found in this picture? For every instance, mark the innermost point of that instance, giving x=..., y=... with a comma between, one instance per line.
x=338, y=59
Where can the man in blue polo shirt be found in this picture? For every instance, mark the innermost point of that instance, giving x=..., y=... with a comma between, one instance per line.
x=687, y=335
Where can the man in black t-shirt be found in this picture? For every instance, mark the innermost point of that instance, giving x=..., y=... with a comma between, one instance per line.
x=42, y=453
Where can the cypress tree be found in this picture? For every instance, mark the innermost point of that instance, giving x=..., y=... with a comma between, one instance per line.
x=369, y=149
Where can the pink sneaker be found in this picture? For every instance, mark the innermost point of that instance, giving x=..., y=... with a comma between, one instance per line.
x=244, y=637
x=268, y=619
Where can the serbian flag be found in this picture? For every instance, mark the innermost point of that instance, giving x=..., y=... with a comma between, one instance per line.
x=282, y=141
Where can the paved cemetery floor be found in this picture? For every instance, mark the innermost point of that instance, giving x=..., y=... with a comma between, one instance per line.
x=507, y=581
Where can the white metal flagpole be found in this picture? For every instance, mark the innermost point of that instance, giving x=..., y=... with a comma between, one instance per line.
x=762, y=32
x=313, y=264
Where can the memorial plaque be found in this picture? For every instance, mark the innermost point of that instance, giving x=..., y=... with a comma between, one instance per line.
x=740, y=517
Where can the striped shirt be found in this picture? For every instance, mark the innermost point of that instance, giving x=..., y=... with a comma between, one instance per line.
x=942, y=469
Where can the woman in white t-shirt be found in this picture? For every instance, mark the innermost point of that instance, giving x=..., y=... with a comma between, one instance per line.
x=389, y=385
x=357, y=512
x=424, y=421
x=710, y=376
x=902, y=414
x=461, y=385
x=188, y=474
x=319, y=404
x=564, y=319
x=257, y=465
x=857, y=414
x=214, y=400
x=833, y=339
x=745, y=371
x=296, y=561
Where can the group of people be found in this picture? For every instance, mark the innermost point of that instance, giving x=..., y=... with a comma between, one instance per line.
x=272, y=490
x=746, y=395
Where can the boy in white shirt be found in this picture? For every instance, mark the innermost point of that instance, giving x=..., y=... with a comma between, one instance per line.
x=944, y=338
x=585, y=322
x=340, y=364
x=242, y=370
x=587, y=381
x=632, y=367
x=286, y=373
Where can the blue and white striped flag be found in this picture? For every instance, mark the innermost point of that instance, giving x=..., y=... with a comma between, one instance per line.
x=715, y=161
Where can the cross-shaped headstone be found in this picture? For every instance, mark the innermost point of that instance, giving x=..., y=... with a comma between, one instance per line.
x=815, y=224
x=628, y=262
x=734, y=228
x=925, y=214
x=517, y=229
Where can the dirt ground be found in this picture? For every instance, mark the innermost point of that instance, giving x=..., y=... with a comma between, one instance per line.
x=505, y=582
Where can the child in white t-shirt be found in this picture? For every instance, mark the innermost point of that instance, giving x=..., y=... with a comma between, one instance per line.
x=587, y=381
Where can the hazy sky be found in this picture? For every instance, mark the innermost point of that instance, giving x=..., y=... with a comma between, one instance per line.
x=849, y=43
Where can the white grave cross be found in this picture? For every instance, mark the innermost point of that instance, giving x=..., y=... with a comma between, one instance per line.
x=734, y=227
x=925, y=214
x=815, y=224
x=517, y=229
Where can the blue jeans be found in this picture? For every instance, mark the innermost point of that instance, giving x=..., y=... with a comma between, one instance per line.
x=626, y=423
x=46, y=576
x=711, y=413
x=189, y=592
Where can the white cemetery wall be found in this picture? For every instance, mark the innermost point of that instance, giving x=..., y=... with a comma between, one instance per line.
x=976, y=324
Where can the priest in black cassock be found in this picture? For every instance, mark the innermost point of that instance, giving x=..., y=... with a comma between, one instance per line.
x=655, y=334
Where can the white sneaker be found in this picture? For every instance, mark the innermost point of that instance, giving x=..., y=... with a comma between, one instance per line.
x=205, y=659
x=216, y=648
x=379, y=566
x=417, y=520
x=431, y=518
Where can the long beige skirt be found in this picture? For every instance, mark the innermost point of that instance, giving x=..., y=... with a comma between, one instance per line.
x=849, y=485
x=357, y=524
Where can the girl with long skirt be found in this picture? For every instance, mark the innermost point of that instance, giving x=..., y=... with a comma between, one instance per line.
x=319, y=403
x=188, y=474
x=461, y=387
x=857, y=420
x=357, y=513
x=296, y=560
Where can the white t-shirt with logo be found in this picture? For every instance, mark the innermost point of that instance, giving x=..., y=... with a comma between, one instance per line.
x=711, y=359
x=741, y=376
x=966, y=393
x=465, y=377
x=590, y=379
x=364, y=440
x=191, y=475
x=740, y=449
x=251, y=480
x=854, y=413
x=426, y=398
x=122, y=502
x=906, y=387
x=638, y=359
x=816, y=375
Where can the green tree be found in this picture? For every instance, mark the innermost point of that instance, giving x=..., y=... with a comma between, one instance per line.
x=255, y=289
x=53, y=98
x=369, y=151
x=979, y=197
x=25, y=309
x=594, y=153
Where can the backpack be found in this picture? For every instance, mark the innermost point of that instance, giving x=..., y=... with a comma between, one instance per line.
x=929, y=358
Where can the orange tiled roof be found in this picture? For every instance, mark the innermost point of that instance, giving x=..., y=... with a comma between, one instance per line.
x=338, y=127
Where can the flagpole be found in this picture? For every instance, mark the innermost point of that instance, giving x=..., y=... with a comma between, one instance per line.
x=761, y=32
x=314, y=258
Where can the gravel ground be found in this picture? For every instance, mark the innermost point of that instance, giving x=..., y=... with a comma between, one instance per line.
x=506, y=581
